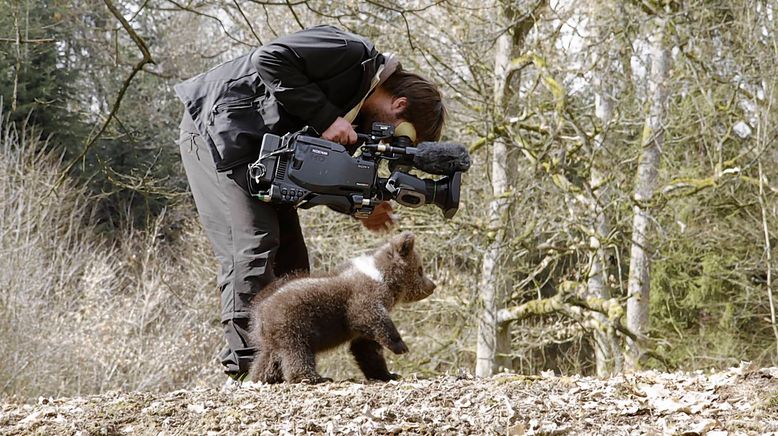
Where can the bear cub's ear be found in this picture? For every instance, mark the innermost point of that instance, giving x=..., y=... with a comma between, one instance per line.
x=403, y=243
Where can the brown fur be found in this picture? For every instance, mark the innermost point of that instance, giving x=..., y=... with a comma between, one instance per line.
x=302, y=316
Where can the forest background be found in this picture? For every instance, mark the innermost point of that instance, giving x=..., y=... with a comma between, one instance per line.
x=621, y=211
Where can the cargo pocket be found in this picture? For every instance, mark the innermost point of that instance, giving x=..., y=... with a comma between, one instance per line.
x=236, y=129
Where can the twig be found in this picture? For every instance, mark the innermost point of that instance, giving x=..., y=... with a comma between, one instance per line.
x=18, y=67
x=212, y=17
x=294, y=14
x=248, y=23
x=768, y=254
x=15, y=374
x=28, y=41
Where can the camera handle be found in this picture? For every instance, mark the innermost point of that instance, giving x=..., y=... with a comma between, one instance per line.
x=354, y=205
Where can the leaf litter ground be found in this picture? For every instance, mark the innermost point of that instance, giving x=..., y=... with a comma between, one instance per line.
x=741, y=400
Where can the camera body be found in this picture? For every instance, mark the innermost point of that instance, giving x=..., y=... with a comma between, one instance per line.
x=307, y=171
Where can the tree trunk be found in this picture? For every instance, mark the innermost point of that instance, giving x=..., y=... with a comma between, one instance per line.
x=646, y=182
x=494, y=340
x=493, y=347
x=598, y=274
x=607, y=350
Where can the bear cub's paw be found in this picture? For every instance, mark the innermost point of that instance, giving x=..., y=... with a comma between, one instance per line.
x=398, y=347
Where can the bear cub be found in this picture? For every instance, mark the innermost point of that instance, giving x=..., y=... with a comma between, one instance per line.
x=297, y=317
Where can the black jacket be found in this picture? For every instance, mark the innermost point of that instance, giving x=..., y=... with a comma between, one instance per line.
x=307, y=78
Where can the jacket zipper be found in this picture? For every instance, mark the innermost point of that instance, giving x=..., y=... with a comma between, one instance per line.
x=243, y=103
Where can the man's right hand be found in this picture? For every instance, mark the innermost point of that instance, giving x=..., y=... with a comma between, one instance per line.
x=341, y=132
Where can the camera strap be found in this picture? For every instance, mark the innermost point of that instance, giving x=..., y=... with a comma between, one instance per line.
x=257, y=170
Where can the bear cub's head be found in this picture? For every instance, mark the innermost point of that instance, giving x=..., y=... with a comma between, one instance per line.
x=402, y=269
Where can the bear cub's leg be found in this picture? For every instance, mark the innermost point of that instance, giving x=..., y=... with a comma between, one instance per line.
x=266, y=368
x=379, y=326
x=370, y=358
x=298, y=364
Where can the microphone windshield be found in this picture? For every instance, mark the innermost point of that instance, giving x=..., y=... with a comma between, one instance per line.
x=441, y=158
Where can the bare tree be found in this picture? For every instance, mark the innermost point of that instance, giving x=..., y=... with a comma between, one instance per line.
x=494, y=337
x=607, y=350
x=651, y=142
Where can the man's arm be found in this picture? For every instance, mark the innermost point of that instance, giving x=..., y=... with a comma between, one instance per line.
x=291, y=65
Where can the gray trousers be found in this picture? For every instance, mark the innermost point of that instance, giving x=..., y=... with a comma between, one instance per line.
x=253, y=241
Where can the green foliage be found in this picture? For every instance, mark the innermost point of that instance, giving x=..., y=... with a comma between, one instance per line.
x=35, y=88
x=705, y=282
x=65, y=87
x=136, y=165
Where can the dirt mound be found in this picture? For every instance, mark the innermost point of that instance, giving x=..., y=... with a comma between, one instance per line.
x=740, y=400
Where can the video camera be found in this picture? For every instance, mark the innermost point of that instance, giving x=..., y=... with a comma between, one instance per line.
x=307, y=171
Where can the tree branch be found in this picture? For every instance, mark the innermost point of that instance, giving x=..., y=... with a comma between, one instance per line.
x=147, y=59
x=248, y=23
x=569, y=304
x=28, y=41
x=294, y=14
x=217, y=19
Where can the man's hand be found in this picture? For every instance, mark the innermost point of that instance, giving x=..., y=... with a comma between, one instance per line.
x=341, y=132
x=381, y=220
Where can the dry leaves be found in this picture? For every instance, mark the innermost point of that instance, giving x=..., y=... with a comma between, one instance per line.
x=742, y=400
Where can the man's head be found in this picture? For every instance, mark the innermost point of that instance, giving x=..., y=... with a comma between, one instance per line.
x=406, y=96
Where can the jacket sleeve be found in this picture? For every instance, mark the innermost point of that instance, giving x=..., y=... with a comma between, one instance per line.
x=291, y=66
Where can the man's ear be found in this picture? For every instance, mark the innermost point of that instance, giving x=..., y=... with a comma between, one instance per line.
x=399, y=104
x=403, y=243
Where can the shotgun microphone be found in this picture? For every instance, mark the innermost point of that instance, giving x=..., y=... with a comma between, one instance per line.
x=440, y=158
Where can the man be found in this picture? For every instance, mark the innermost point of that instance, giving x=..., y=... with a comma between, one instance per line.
x=320, y=77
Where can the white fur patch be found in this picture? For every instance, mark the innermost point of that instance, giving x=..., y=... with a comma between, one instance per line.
x=366, y=265
x=300, y=284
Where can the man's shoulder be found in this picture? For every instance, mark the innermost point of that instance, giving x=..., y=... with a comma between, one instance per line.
x=330, y=29
x=324, y=33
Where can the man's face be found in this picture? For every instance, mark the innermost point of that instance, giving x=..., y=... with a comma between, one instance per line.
x=381, y=107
